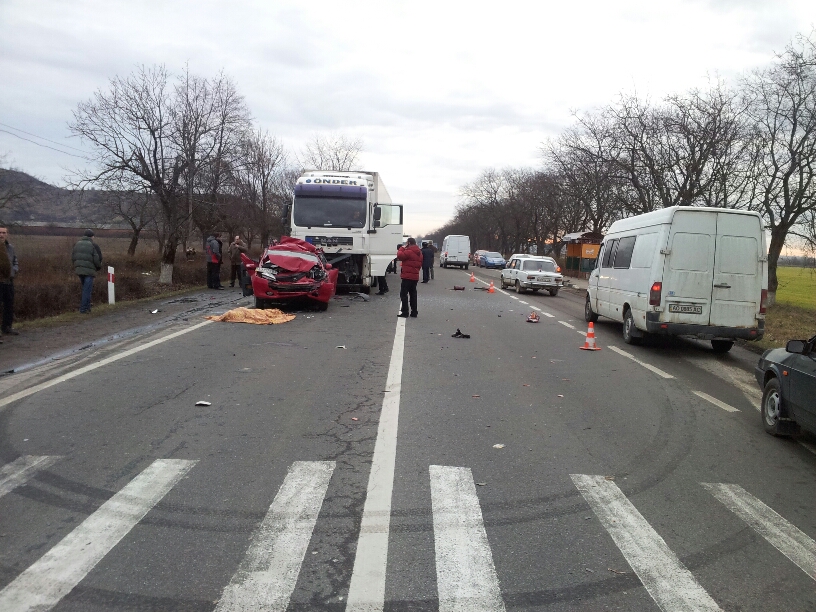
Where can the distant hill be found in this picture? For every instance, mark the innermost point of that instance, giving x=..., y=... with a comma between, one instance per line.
x=38, y=203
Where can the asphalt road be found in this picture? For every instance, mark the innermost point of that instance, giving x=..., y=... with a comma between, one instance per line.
x=511, y=470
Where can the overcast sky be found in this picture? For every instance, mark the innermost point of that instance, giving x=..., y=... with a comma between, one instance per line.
x=438, y=91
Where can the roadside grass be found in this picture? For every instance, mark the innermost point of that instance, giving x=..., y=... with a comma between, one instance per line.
x=797, y=287
x=793, y=316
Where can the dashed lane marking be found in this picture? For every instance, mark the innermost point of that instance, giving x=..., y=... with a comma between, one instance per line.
x=547, y=314
x=57, y=572
x=16, y=473
x=367, y=588
x=666, y=579
x=465, y=574
x=779, y=533
x=565, y=324
x=649, y=367
x=715, y=401
x=523, y=302
x=268, y=574
x=808, y=446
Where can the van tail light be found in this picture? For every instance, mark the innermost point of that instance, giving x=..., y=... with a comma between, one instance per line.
x=763, y=302
x=654, y=294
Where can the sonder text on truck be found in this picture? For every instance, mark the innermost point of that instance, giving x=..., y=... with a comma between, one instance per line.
x=351, y=217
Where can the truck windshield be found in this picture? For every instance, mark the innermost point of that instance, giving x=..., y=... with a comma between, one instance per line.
x=329, y=212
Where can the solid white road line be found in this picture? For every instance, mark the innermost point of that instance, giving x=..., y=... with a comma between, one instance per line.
x=667, y=580
x=267, y=576
x=715, y=401
x=102, y=362
x=367, y=588
x=565, y=324
x=13, y=474
x=649, y=367
x=41, y=586
x=781, y=534
x=465, y=574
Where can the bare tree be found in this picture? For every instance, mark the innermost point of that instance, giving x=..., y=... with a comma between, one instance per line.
x=13, y=193
x=331, y=152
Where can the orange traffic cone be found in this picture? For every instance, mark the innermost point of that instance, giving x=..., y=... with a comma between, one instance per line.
x=472, y=278
x=589, y=344
x=491, y=288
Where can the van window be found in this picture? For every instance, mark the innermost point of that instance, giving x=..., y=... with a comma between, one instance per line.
x=737, y=255
x=624, y=254
x=690, y=251
x=609, y=253
x=643, y=254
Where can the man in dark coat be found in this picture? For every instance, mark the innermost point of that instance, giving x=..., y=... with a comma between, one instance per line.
x=236, y=247
x=427, y=260
x=213, y=250
x=8, y=270
x=411, y=258
x=87, y=260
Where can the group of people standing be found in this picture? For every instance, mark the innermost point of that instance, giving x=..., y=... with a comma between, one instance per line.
x=214, y=251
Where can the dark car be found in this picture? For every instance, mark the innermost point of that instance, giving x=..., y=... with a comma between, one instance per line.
x=491, y=259
x=788, y=379
x=290, y=270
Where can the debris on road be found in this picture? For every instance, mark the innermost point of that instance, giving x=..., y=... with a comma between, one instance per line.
x=614, y=571
x=559, y=395
x=342, y=346
x=457, y=288
x=256, y=317
x=354, y=419
x=475, y=396
x=532, y=318
x=481, y=484
x=203, y=403
x=459, y=334
x=154, y=311
x=498, y=446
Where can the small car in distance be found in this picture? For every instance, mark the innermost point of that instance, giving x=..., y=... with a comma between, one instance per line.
x=477, y=255
x=291, y=269
x=490, y=259
x=788, y=379
x=533, y=273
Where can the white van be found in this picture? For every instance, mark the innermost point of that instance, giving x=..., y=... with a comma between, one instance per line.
x=455, y=251
x=683, y=271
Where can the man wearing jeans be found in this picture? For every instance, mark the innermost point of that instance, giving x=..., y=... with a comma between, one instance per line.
x=87, y=262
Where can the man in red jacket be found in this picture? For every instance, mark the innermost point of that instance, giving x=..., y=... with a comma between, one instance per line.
x=411, y=258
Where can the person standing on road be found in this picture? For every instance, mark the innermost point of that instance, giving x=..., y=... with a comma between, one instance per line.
x=427, y=261
x=236, y=247
x=411, y=258
x=8, y=270
x=382, y=283
x=87, y=262
x=213, y=250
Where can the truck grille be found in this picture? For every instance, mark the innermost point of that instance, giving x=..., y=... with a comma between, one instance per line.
x=329, y=241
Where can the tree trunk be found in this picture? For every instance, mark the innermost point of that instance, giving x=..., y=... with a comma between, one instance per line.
x=778, y=235
x=134, y=240
x=168, y=259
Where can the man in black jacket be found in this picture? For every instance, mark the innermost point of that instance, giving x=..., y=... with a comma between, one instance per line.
x=427, y=260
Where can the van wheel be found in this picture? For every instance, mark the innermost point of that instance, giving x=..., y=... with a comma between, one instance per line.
x=554, y=292
x=628, y=326
x=589, y=316
x=721, y=346
x=772, y=407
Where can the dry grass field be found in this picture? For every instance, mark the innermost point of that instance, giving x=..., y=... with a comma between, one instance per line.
x=794, y=314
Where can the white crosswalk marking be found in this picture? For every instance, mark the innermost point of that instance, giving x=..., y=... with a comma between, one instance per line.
x=666, y=579
x=267, y=576
x=41, y=586
x=13, y=474
x=465, y=574
x=781, y=534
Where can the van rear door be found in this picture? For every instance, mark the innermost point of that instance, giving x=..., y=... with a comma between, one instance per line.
x=737, y=287
x=688, y=268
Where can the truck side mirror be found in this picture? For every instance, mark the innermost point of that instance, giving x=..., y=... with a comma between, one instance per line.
x=377, y=215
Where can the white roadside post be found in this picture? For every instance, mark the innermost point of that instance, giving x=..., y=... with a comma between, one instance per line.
x=111, y=292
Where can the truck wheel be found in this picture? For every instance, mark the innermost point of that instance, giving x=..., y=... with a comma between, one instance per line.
x=772, y=407
x=628, y=326
x=721, y=346
x=554, y=292
x=589, y=316
x=466, y=266
x=260, y=304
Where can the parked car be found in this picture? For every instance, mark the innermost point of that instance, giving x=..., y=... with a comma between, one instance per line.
x=788, y=379
x=477, y=256
x=290, y=270
x=534, y=273
x=455, y=252
x=490, y=259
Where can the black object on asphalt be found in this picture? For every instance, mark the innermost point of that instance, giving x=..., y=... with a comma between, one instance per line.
x=459, y=334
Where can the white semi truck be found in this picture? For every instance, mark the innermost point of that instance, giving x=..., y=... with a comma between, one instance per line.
x=351, y=217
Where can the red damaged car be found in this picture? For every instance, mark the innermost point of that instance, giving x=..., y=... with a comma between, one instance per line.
x=289, y=270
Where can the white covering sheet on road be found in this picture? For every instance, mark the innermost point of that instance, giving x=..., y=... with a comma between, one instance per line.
x=268, y=574
x=667, y=580
x=16, y=473
x=465, y=574
x=49, y=579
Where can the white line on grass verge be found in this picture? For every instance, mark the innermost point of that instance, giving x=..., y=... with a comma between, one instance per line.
x=779, y=533
x=668, y=581
x=102, y=362
x=649, y=367
x=367, y=588
x=41, y=586
x=268, y=574
x=16, y=473
x=715, y=401
x=465, y=574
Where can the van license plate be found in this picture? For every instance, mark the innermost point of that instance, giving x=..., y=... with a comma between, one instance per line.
x=686, y=308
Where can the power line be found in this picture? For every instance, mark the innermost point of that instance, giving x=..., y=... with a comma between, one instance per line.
x=11, y=127
x=39, y=144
